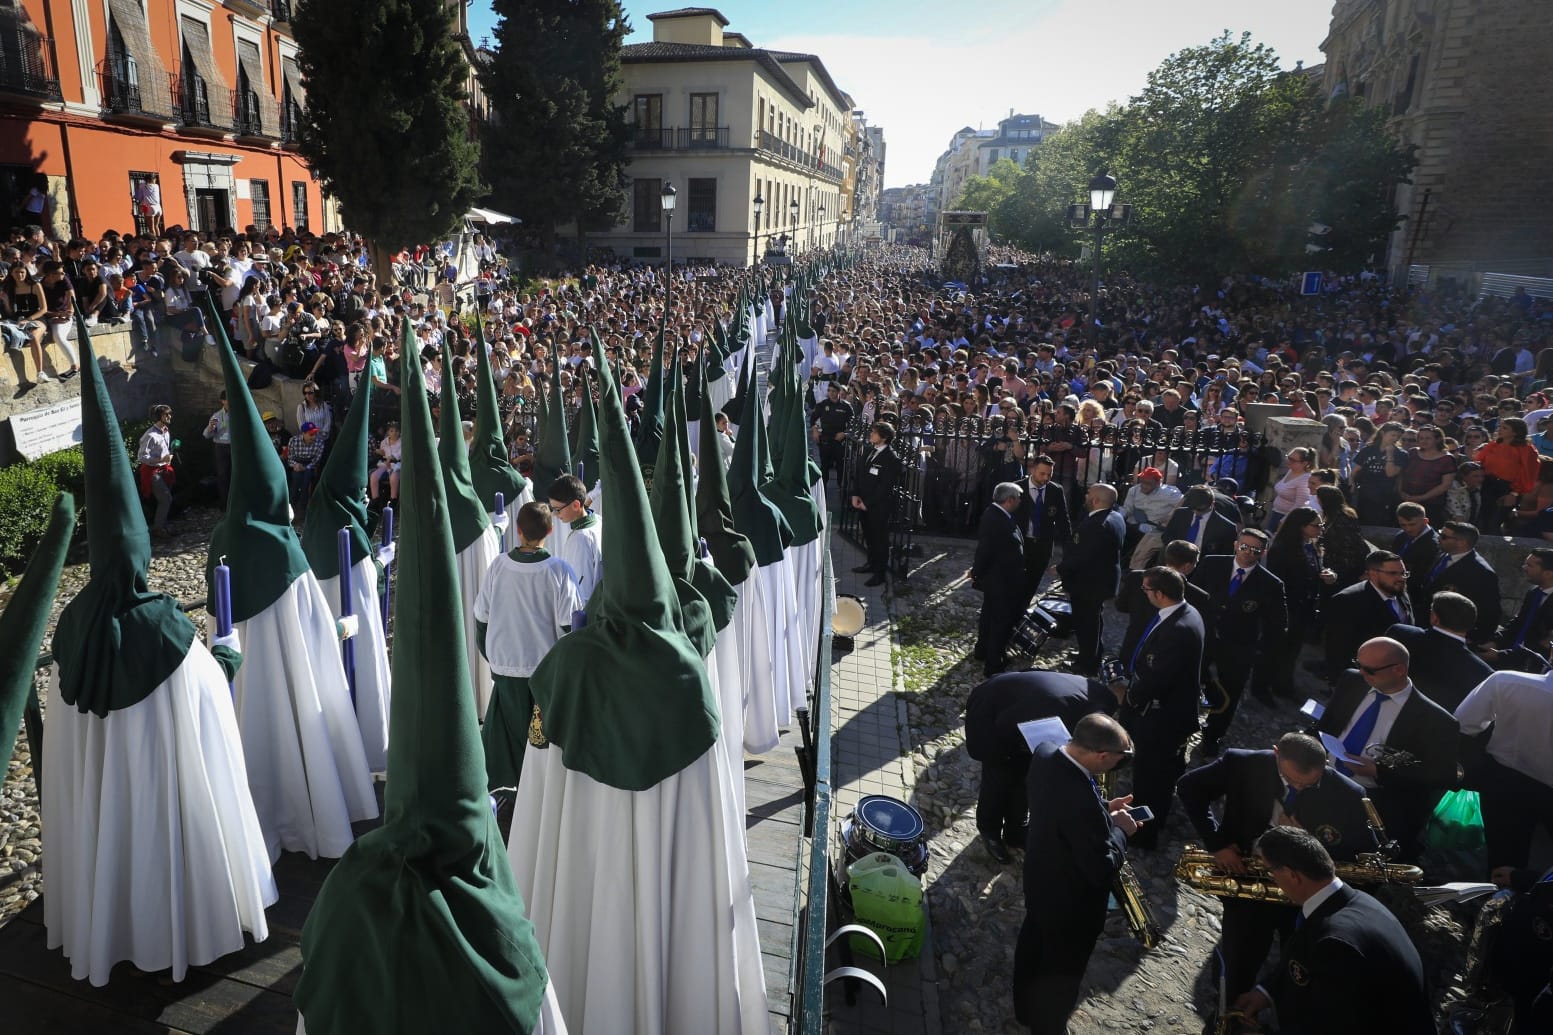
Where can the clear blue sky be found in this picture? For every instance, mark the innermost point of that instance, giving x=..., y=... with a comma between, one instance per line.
x=924, y=69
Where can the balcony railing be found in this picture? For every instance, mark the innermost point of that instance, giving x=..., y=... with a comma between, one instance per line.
x=290, y=125
x=201, y=104
x=124, y=93
x=25, y=67
x=247, y=116
x=697, y=138
x=280, y=10
x=652, y=138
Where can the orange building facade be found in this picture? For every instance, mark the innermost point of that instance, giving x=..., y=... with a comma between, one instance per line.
x=98, y=96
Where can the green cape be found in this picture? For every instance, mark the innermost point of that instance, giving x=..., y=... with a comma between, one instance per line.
x=753, y=514
x=467, y=514
x=420, y=927
x=24, y=623
x=730, y=550
x=340, y=494
x=117, y=640
x=490, y=469
x=675, y=535
x=552, y=453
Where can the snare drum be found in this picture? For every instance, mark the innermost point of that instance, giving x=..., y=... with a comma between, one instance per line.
x=882, y=824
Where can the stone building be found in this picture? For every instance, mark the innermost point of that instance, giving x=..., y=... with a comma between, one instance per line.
x=1468, y=82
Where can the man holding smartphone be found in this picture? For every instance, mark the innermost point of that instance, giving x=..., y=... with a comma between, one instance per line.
x=1066, y=891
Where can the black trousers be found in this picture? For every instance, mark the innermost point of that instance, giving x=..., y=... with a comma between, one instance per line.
x=1088, y=627
x=1157, y=764
x=1513, y=806
x=832, y=458
x=1038, y=557
x=876, y=536
x=1001, y=805
x=1054, y=946
x=1248, y=933
x=1233, y=669
x=1000, y=612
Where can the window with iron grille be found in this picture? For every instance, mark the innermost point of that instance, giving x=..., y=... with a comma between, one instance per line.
x=260, y=191
x=299, y=204
x=647, y=206
x=701, y=205
x=142, y=219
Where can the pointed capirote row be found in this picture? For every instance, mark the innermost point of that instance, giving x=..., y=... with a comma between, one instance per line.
x=175, y=772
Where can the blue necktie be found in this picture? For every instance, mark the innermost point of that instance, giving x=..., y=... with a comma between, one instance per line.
x=1439, y=566
x=1531, y=616
x=1299, y=920
x=1359, y=737
x=1396, y=609
x=1132, y=666
x=1289, y=798
x=1234, y=583
x=1040, y=510
x=1191, y=533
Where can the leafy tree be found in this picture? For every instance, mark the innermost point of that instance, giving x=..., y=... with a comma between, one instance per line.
x=556, y=151
x=385, y=125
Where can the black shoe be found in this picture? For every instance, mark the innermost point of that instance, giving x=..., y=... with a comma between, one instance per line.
x=877, y=580
x=862, y=569
x=997, y=849
x=1209, y=748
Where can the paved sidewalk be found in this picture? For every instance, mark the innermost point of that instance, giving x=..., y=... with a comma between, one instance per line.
x=870, y=755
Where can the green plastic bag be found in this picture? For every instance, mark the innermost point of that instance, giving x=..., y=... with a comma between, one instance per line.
x=887, y=899
x=1453, y=838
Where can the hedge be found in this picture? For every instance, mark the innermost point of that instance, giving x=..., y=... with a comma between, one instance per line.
x=28, y=491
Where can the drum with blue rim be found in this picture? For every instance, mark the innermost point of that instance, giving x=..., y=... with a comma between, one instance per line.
x=885, y=824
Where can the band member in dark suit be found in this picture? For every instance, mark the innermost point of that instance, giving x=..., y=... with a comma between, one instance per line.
x=1247, y=616
x=1419, y=547
x=1159, y=707
x=1091, y=570
x=1043, y=519
x=1291, y=784
x=873, y=495
x=1366, y=609
x=1133, y=600
x=1294, y=556
x=1198, y=521
x=993, y=713
x=1406, y=744
x=1521, y=957
x=1521, y=643
x=1461, y=569
x=1442, y=664
x=1349, y=968
x=997, y=573
x=1066, y=889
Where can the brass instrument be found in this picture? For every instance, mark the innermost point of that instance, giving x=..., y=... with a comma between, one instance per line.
x=1135, y=906
x=1106, y=781
x=1198, y=869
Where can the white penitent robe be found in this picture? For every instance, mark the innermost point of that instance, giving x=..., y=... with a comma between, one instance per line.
x=373, y=674
x=753, y=629
x=153, y=852
x=549, y=1021
x=722, y=670
x=779, y=594
x=474, y=561
x=644, y=924
x=306, y=765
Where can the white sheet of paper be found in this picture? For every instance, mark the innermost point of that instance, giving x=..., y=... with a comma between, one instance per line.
x=1039, y=731
x=1313, y=709
x=1335, y=748
x=1457, y=891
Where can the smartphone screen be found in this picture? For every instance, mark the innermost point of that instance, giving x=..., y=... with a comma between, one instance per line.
x=1141, y=813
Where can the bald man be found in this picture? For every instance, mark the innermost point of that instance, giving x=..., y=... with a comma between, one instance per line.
x=1399, y=745
x=1091, y=571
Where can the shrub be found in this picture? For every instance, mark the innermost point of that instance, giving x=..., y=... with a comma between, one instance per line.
x=26, y=500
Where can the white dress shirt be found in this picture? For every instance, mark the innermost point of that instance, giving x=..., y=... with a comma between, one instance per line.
x=1383, y=722
x=1315, y=901
x=1520, y=707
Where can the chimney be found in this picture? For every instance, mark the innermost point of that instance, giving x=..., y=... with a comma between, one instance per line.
x=698, y=25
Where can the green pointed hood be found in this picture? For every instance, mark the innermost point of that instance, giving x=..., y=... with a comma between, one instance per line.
x=675, y=534
x=116, y=640
x=552, y=453
x=753, y=514
x=790, y=489
x=468, y=515
x=340, y=497
x=255, y=536
x=420, y=926
x=715, y=368
x=730, y=550
x=650, y=427
x=490, y=470
x=24, y=622
x=714, y=587
x=695, y=391
x=586, y=454
x=626, y=697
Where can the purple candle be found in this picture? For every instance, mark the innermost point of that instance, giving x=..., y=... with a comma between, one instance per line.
x=223, y=599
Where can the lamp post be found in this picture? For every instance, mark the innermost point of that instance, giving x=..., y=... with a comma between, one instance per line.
x=792, y=210
x=1101, y=212
x=760, y=204
x=669, y=197
x=821, y=214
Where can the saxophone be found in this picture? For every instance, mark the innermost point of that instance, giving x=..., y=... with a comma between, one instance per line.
x=1198, y=869
x=1135, y=906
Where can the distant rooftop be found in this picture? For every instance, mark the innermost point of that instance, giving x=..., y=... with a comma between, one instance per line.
x=690, y=12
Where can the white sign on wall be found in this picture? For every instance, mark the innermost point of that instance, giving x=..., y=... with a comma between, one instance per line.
x=47, y=430
x=244, y=190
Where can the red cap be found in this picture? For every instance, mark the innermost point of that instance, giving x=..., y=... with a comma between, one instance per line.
x=1152, y=472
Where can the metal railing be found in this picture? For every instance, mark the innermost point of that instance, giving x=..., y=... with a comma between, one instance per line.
x=280, y=10
x=200, y=104
x=248, y=115
x=127, y=94
x=813, y=919
x=697, y=138
x=26, y=68
x=948, y=474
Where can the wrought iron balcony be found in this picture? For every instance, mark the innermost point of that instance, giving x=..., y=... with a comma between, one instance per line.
x=652, y=138
x=201, y=104
x=280, y=10
x=290, y=125
x=125, y=94
x=247, y=116
x=26, y=69
x=702, y=138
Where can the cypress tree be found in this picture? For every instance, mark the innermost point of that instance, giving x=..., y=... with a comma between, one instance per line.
x=385, y=124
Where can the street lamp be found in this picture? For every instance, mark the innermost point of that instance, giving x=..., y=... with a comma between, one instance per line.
x=1101, y=212
x=822, y=224
x=792, y=210
x=760, y=204
x=669, y=197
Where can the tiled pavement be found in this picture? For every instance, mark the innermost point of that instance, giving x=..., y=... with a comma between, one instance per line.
x=870, y=755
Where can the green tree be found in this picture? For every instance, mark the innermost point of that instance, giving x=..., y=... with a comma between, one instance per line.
x=1035, y=213
x=385, y=125
x=555, y=152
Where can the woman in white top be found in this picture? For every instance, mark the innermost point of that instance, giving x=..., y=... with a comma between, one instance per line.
x=1293, y=489
x=313, y=410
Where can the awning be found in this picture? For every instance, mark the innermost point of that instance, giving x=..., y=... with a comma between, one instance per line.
x=253, y=67
x=486, y=215
x=293, y=77
x=196, y=36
